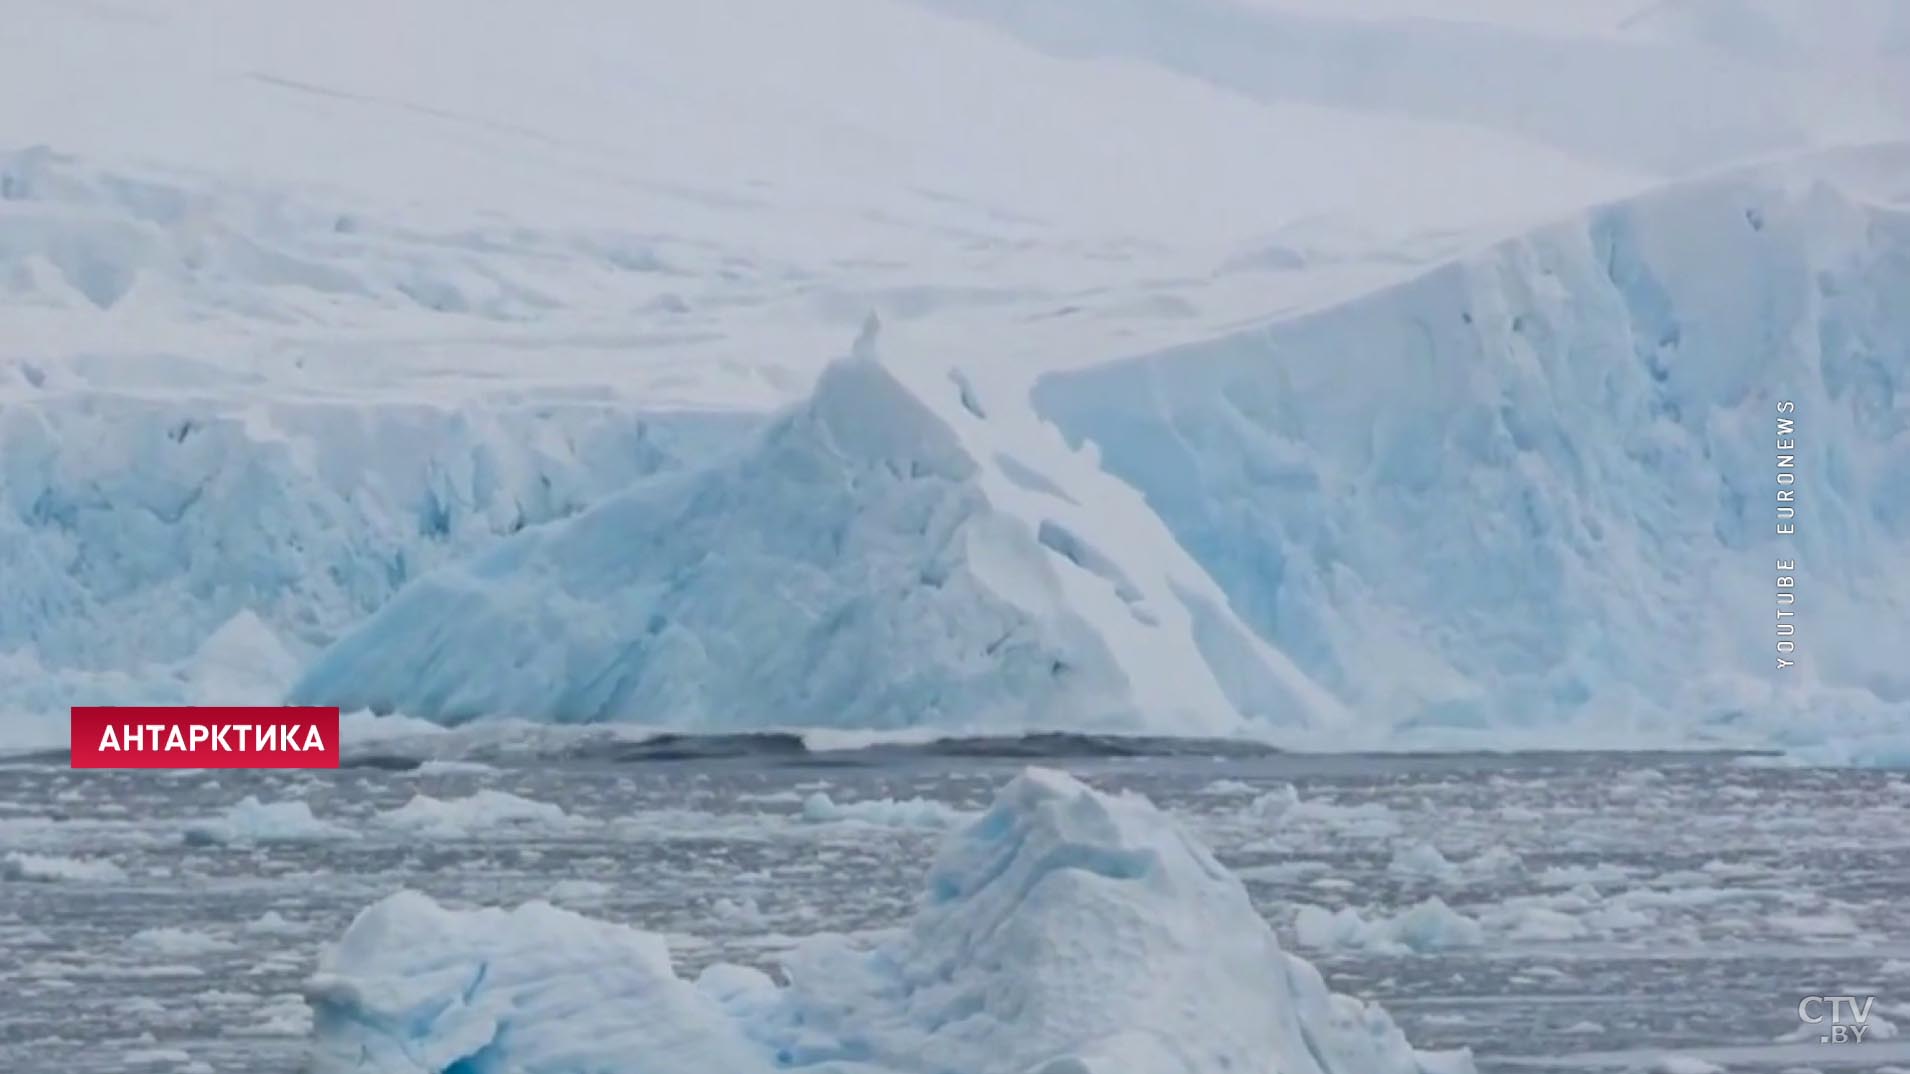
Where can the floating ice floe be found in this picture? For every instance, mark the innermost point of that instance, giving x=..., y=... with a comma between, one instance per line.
x=454, y=768
x=1571, y=876
x=1062, y=932
x=1429, y=926
x=486, y=810
x=178, y=942
x=584, y=892
x=1540, y=924
x=272, y=923
x=1228, y=788
x=1423, y=861
x=253, y=821
x=1283, y=807
x=50, y=869
x=171, y=1058
x=1684, y=1064
x=819, y=808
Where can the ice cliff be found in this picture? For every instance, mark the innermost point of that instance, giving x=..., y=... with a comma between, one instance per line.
x=897, y=550
x=134, y=525
x=1063, y=932
x=1538, y=485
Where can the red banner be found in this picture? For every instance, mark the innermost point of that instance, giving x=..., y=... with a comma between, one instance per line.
x=211, y=737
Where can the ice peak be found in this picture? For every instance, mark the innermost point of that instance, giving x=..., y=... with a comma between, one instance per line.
x=864, y=347
x=1087, y=932
x=862, y=410
x=880, y=525
x=1046, y=821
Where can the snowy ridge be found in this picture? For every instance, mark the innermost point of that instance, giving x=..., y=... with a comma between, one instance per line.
x=899, y=550
x=1063, y=932
x=1538, y=484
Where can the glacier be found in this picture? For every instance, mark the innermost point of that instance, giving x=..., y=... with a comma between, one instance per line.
x=1064, y=931
x=902, y=549
x=1536, y=487
x=297, y=342
x=1527, y=495
x=1428, y=514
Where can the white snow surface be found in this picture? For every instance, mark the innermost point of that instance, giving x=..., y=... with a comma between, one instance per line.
x=1063, y=932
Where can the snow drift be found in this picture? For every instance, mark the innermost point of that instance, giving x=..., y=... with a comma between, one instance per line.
x=1539, y=484
x=896, y=551
x=1063, y=932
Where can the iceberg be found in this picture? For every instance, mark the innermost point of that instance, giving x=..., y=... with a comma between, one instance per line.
x=902, y=549
x=1064, y=931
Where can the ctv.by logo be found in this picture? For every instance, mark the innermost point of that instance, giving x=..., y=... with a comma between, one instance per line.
x=1844, y=1018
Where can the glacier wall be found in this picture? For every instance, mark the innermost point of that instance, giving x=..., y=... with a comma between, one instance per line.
x=1538, y=484
x=133, y=528
x=904, y=548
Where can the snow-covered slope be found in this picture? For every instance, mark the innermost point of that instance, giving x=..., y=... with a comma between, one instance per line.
x=1064, y=932
x=899, y=550
x=686, y=203
x=1646, y=85
x=1540, y=483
